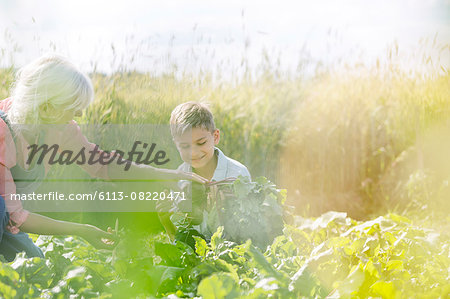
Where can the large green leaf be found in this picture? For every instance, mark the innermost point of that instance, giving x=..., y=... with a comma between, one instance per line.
x=170, y=254
x=219, y=286
x=385, y=289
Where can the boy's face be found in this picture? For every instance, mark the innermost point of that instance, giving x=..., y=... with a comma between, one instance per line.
x=196, y=147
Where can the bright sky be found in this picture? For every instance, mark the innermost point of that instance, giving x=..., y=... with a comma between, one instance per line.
x=148, y=35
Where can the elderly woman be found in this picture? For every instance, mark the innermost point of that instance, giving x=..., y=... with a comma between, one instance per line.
x=50, y=90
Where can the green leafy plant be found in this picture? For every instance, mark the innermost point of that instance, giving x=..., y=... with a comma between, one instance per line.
x=248, y=210
x=332, y=255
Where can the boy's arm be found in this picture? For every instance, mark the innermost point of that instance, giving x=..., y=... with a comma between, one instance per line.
x=170, y=228
x=163, y=208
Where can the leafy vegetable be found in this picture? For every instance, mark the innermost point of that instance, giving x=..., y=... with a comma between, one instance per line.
x=329, y=256
x=248, y=210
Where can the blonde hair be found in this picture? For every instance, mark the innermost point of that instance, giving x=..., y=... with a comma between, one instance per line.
x=191, y=115
x=49, y=80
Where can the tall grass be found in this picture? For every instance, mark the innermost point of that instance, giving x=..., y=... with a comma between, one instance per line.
x=350, y=133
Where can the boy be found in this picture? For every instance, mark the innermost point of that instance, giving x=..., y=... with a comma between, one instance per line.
x=196, y=136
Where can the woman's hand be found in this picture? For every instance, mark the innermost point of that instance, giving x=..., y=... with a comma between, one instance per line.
x=147, y=172
x=99, y=238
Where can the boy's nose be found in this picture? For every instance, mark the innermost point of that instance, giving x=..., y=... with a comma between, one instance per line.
x=195, y=152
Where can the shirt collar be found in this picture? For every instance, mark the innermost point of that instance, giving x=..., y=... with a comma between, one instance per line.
x=221, y=170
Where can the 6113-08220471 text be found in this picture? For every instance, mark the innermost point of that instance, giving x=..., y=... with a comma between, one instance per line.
x=100, y=195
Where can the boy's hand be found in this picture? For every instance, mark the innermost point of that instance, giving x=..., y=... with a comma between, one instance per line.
x=196, y=216
x=163, y=207
x=183, y=175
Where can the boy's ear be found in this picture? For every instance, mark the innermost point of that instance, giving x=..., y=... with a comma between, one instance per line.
x=216, y=135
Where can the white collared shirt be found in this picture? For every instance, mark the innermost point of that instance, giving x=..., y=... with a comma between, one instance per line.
x=226, y=168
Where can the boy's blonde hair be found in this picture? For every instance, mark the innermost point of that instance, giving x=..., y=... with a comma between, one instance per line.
x=191, y=115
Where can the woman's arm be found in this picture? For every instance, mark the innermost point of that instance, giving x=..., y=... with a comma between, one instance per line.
x=147, y=172
x=42, y=225
x=73, y=140
x=38, y=224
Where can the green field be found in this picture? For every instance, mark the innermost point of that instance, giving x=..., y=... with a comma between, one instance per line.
x=370, y=141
